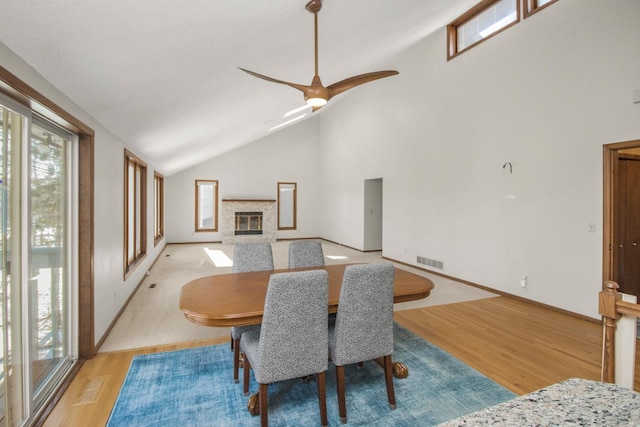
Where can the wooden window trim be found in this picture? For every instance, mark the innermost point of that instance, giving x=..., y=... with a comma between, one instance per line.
x=452, y=28
x=139, y=254
x=21, y=92
x=295, y=206
x=531, y=6
x=158, y=226
x=215, y=207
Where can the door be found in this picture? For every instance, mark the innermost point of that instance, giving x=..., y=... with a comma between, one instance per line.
x=626, y=243
x=372, y=215
x=36, y=293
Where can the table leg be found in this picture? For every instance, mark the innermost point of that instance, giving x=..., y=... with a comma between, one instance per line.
x=399, y=369
x=253, y=405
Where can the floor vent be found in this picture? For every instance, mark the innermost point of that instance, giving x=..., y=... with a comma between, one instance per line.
x=430, y=262
x=91, y=390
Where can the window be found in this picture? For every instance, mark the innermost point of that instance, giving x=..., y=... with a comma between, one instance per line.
x=287, y=194
x=135, y=211
x=532, y=6
x=486, y=19
x=158, y=207
x=206, y=205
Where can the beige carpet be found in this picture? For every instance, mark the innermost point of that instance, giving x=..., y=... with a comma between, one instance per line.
x=153, y=317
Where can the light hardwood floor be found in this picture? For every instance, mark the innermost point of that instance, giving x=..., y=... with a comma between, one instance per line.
x=522, y=346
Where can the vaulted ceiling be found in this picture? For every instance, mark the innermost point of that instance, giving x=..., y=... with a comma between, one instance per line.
x=162, y=74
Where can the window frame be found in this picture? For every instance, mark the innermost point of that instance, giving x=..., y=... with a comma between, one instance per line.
x=524, y=9
x=139, y=217
x=452, y=28
x=158, y=207
x=531, y=6
x=215, y=206
x=294, y=207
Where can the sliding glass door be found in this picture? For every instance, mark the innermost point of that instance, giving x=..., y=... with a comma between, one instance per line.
x=36, y=240
x=48, y=248
x=12, y=407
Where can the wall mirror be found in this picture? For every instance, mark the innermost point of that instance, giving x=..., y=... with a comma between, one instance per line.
x=287, y=192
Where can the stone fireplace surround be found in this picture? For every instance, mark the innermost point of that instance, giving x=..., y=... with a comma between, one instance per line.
x=228, y=219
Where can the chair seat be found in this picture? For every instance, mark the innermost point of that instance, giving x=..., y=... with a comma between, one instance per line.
x=237, y=331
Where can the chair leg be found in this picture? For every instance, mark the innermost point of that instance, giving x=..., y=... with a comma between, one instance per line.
x=231, y=343
x=342, y=406
x=322, y=399
x=245, y=376
x=388, y=375
x=264, y=422
x=235, y=343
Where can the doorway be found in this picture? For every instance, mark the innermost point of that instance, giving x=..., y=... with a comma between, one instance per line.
x=37, y=298
x=621, y=232
x=372, y=215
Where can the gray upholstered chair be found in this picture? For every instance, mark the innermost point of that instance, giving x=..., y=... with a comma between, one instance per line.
x=363, y=328
x=255, y=256
x=305, y=253
x=248, y=257
x=293, y=339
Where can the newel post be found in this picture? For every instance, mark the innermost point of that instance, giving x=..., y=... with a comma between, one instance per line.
x=607, y=309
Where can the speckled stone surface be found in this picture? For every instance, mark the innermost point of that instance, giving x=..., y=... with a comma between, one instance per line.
x=574, y=402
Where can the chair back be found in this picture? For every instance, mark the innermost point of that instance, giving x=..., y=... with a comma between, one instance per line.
x=364, y=321
x=254, y=256
x=293, y=339
x=305, y=253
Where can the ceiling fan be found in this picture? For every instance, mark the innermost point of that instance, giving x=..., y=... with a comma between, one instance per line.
x=316, y=94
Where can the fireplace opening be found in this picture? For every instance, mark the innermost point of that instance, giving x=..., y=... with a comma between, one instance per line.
x=248, y=223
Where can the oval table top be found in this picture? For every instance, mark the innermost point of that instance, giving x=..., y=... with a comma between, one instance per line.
x=237, y=299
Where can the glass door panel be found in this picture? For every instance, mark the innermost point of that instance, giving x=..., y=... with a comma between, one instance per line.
x=12, y=374
x=36, y=303
x=48, y=254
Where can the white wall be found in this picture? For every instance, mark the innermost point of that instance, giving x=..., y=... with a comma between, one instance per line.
x=111, y=290
x=544, y=95
x=253, y=172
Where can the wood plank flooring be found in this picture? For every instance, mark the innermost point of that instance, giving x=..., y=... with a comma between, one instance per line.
x=522, y=346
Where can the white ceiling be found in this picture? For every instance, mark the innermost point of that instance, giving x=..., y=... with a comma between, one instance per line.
x=162, y=74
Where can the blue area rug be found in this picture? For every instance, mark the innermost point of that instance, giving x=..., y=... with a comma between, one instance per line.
x=194, y=387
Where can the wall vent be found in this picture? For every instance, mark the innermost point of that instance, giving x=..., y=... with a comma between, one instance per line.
x=430, y=262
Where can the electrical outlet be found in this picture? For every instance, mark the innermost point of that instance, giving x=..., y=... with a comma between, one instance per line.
x=523, y=281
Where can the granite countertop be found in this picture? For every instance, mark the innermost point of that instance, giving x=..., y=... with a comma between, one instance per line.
x=574, y=402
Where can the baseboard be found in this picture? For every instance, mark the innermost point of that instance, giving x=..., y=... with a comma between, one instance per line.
x=191, y=243
x=340, y=244
x=501, y=293
x=126, y=303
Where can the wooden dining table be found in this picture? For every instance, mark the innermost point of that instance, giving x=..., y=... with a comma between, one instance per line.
x=237, y=299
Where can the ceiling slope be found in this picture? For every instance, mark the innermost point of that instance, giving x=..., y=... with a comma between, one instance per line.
x=162, y=75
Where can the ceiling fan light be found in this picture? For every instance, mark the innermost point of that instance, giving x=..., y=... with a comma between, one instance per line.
x=316, y=102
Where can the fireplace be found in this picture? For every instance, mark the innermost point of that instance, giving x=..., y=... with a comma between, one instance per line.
x=240, y=224
x=248, y=223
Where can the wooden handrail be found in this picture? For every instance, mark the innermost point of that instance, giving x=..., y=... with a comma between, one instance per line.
x=611, y=308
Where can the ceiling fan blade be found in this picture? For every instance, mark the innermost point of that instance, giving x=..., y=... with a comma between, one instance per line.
x=351, y=82
x=302, y=88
